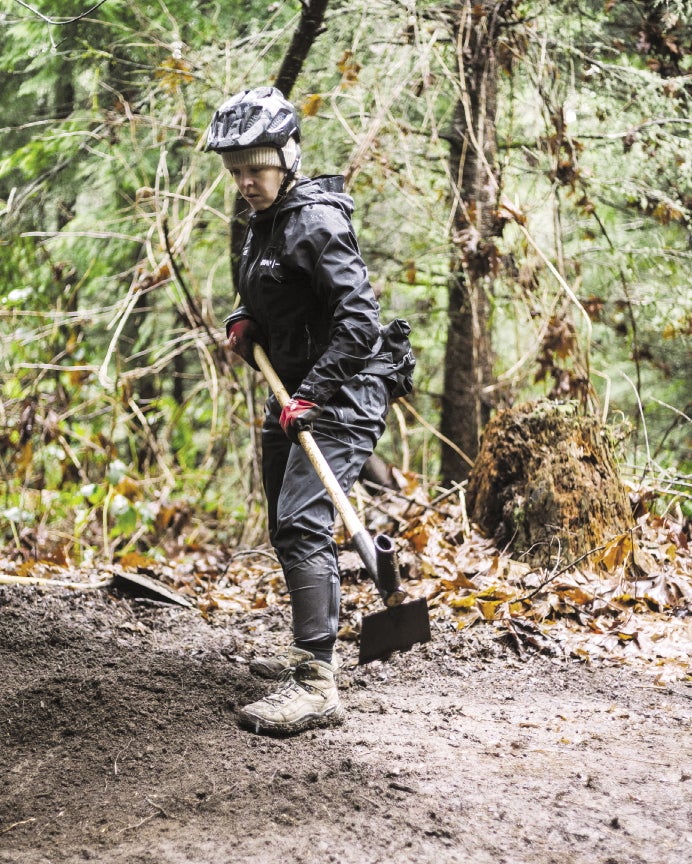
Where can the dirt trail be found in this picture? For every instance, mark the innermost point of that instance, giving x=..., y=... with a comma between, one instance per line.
x=119, y=745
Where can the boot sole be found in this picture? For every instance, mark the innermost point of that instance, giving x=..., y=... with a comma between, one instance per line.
x=262, y=726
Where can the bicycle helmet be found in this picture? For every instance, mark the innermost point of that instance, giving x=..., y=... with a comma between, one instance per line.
x=254, y=118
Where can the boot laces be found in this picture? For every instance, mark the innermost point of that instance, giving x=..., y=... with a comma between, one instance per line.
x=290, y=686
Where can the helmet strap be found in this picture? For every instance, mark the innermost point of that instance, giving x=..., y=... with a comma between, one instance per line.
x=287, y=181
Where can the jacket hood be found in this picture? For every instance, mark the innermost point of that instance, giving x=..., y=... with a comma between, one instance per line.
x=326, y=189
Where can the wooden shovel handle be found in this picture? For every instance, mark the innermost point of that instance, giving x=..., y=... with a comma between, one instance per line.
x=361, y=538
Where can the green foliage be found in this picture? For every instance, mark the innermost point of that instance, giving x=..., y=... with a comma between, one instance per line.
x=611, y=135
x=111, y=355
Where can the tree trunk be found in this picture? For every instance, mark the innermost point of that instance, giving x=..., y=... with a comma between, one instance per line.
x=309, y=28
x=473, y=167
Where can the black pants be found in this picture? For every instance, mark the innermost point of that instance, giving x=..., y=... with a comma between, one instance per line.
x=300, y=512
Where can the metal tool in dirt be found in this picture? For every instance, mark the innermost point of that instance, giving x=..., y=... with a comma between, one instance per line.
x=401, y=624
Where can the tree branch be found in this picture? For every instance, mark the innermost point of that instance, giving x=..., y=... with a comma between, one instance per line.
x=196, y=317
x=54, y=21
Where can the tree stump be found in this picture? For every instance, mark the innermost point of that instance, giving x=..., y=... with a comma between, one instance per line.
x=545, y=484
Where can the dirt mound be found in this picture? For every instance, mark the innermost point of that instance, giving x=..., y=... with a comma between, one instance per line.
x=119, y=744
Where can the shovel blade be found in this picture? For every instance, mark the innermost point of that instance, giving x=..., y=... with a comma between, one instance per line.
x=395, y=629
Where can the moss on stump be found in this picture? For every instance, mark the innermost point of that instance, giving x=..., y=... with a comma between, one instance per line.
x=545, y=484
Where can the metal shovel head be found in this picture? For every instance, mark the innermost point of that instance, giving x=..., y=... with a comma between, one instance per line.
x=395, y=629
x=138, y=585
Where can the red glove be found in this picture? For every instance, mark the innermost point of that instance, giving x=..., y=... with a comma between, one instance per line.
x=297, y=416
x=242, y=332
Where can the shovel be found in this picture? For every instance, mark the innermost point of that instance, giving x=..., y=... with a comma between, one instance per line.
x=400, y=625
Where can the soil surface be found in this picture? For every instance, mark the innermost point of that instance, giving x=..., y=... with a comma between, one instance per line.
x=120, y=745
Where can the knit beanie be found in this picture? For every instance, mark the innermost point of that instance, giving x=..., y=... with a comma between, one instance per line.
x=262, y=156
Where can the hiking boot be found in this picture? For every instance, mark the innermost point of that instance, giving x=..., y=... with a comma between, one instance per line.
x=306, y=698
x=274, y=666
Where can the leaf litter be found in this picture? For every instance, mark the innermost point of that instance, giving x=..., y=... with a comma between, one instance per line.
x=629, y=602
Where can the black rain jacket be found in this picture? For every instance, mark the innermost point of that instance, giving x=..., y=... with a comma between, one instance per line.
x=303, y=280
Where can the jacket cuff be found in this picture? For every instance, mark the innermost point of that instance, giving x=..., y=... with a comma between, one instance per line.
x=308, y=392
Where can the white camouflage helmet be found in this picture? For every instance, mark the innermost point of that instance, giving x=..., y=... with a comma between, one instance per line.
x=259, y=118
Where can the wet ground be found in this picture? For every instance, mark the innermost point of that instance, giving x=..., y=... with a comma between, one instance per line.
x=120, y=745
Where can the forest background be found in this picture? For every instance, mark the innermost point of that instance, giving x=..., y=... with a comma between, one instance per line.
x=126, y=422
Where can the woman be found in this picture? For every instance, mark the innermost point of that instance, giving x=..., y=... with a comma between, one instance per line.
x=307, y=300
